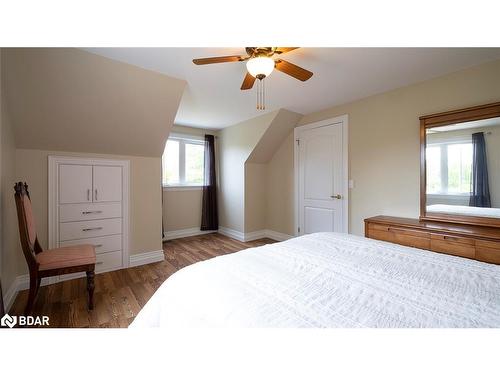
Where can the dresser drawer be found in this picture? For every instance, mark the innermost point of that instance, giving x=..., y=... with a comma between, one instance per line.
x=87, y=229
x=89, y=211
x=402, y=236
x=488, y=251
x=104, y=244
x=453, y=245
x=108, y=261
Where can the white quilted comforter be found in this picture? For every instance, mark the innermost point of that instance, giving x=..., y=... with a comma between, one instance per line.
x=328, y=280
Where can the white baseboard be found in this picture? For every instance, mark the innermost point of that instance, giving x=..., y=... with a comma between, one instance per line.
x=188, y=232
x=251, y=236
x=277, y=236
x=145, y=258
x=10, y=294
x=240, y=236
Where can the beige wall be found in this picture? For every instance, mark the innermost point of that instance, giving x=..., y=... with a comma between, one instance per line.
x=384, y=138
x=235, y=145
x=145, y=196
x=255, y=197
x=280, y=189
x=71, y=100
x=10, y=251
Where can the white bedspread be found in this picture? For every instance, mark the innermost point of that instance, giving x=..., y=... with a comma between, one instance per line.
x=328, y=280
x=464, y=210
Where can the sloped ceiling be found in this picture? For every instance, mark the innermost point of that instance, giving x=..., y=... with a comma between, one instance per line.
x=275, y=134
x=65, y=99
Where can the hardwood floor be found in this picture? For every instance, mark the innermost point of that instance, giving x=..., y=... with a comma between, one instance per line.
x=119, y=295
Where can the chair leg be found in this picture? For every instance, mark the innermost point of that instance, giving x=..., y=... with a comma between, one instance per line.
x=38, y=282
x=32, y=294
x=90, y=288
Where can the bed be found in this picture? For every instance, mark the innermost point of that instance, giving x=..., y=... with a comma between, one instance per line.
x=328, y=280
x=464, y=210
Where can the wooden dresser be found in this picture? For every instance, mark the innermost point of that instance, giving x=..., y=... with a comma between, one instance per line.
x=469, y=241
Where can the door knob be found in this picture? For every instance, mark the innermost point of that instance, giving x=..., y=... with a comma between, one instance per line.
x=338, y=196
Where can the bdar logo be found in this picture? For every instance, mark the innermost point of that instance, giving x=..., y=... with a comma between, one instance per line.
x=8, y=321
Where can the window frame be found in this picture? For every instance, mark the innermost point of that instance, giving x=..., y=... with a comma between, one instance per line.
x=183, y=139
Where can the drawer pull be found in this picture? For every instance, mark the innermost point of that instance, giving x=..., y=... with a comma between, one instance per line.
x=91, y=212
x=88, y=229
x=99, y=263
x=99, y=245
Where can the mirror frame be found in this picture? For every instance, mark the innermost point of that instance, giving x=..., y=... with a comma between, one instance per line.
x=446, y=118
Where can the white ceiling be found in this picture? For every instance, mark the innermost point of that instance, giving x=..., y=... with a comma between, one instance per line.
x=213, y=99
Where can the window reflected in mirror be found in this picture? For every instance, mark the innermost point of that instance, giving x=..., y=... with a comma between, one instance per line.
x=463, y=168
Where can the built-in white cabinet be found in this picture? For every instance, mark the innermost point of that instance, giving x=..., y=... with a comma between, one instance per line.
x=88, y=204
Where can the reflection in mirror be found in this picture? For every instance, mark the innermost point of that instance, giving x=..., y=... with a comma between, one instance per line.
x=463, y=168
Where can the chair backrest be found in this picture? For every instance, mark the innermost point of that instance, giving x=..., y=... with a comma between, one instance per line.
x=26, y=220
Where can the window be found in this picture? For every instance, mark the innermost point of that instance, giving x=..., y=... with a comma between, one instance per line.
x=182, y=161
x=449, y=168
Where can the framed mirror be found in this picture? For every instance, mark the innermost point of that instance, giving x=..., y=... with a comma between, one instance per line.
x=460, y=166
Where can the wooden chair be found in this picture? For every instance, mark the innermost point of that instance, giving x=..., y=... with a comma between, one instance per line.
x=54, y=262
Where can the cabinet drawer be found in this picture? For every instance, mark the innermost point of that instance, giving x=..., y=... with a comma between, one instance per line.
x=104, y=244
x=89, y=211
x=402, y=236
x=108, y=261
x=453, y=245
x=88, y=229
x=488, y=251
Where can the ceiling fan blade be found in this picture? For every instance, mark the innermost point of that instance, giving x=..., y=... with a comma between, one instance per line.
x=248, y=82
x=281, y=50
x=219, y=59
x=293, y=70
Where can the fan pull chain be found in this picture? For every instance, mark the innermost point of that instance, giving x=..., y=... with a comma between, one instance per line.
x=261, y=95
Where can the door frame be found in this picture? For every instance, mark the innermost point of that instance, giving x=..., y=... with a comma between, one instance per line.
x=344, y=121
x=53, y=212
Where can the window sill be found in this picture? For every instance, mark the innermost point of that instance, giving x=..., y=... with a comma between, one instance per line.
x=182, y=187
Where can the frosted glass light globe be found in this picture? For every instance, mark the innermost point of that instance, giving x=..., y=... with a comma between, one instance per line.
x=260, y=65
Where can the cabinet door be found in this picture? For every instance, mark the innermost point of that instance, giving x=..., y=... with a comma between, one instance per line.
x=107, y=183
x=75, y=183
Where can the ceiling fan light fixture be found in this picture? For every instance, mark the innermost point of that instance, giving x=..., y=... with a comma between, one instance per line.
x=260, y=66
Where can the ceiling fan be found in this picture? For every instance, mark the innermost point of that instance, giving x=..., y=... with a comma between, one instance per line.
x=260, y=64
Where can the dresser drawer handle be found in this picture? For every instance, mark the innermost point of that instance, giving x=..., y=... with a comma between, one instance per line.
x=87, y=229
x=100, y=245
x=91, y=212
x=99, y=263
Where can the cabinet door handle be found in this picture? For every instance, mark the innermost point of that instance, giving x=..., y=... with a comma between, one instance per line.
x=87, y=229
x=88, y=194
x=91, y=212
x=96, y=194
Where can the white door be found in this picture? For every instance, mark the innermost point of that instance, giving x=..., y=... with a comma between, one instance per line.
x=75, y=183
x=321, y=180
x=107, y=183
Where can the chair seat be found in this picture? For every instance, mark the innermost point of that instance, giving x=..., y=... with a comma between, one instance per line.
x=64, y=257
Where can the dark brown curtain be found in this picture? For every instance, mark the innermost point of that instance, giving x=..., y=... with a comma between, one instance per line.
x=209, y=214
x=480, y=190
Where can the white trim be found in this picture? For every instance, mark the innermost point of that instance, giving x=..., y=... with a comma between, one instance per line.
x=240, y=236
x=11, y=294
x=344, y=119
x=188, y=232
x=277, y=236
x=53, y=227
x=251, y=236
x=146, y=258
x=182, y=187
